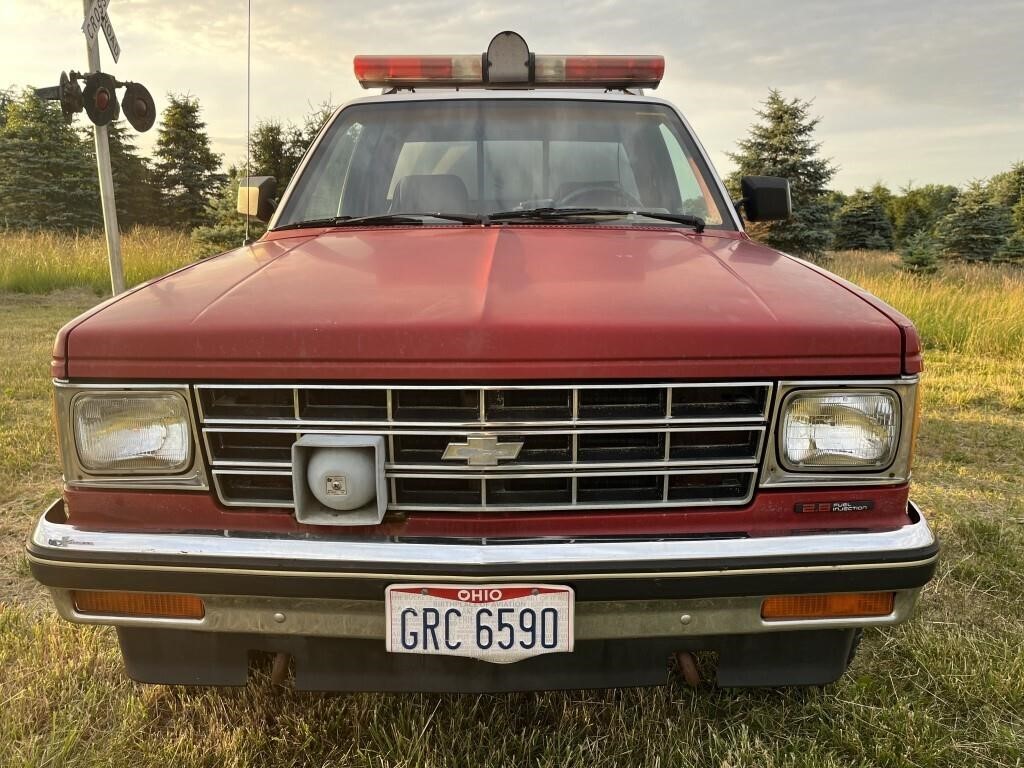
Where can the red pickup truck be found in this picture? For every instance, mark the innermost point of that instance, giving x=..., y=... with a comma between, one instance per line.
x=504, y=399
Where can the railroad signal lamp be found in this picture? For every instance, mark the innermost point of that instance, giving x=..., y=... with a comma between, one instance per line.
x=99, y=99
x=70, y=97
x=138, y=106
x=68, y=93
x=100, y=96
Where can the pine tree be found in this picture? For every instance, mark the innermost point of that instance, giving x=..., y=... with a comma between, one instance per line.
x=276, y=151
x=315, y=120
x=46, y=177
x=6, y=97
x=782, y=144
x=227, y=227
x=862, y=224
x=1013, y=249
x=976, y=226
x=187, y=170
x=135, y=191
x=919, y=208
x=1017, y=217
x=1007, y=188
x=920, y=253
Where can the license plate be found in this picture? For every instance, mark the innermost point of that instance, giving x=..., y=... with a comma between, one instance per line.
x=500, y=623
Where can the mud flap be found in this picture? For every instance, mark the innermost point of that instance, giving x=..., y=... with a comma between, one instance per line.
x=811, y=657
x=182, y=657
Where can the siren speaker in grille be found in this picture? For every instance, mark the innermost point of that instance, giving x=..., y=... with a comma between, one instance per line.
x=339, y=479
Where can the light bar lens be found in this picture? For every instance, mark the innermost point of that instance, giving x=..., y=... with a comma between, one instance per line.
x=384, y=71
x=143, y=604
x=440, y=71
x=599, y=70
x=836, y=606
x=839, y=430
x=133, y=433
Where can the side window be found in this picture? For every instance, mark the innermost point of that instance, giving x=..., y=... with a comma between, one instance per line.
x=575, y=164
x=328, y=185
x=437, y=157
x=692, y=192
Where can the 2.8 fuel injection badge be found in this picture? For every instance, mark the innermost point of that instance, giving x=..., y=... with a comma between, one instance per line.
x=835, y=506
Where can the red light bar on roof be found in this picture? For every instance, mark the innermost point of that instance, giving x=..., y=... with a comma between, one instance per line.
x=609, y=71
x=508, y=63
x=409, y=71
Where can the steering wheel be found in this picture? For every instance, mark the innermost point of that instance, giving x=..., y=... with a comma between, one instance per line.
x=605, y=191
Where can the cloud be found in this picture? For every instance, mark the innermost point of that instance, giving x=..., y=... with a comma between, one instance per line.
x=922, y=89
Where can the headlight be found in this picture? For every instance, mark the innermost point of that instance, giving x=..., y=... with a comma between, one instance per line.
x=134, y=433
x=845, y=430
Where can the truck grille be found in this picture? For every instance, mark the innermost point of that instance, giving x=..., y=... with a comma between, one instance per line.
x=588, y=446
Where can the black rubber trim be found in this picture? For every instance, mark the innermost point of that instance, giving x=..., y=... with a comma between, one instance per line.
x=54, y=573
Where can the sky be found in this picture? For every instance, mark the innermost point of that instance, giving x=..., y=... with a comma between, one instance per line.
x=908, y=91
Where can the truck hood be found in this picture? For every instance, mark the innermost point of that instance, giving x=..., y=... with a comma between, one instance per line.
x=512, y=302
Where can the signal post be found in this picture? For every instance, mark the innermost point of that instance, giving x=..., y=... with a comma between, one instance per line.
x=91, y=9
x=99, y=100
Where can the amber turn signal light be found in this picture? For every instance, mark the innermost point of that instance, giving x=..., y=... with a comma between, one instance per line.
x=848, y=605
x=142, y=604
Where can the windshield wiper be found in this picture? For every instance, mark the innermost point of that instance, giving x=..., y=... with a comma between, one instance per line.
x=381, y=220
x=561, y=214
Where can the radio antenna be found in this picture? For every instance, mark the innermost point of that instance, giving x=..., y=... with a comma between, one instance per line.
x=248, y=103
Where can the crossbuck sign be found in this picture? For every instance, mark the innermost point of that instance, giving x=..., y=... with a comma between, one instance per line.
x=96, y=20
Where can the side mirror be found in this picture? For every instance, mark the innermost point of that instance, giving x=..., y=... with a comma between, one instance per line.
x=256, y=196
x=766, y=198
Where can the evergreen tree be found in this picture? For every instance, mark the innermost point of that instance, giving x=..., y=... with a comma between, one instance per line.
x=276, y=151
x=1007, y=188
x=1012, y=251
x=919, y=208
x=920, y=253
x=782, y=144
x=312, y=123
x=135, y=192
x=976, y=226
x=187, y=170
x=1017, y=217
x=862, y=224
x=46, y=179
x=227, y=227
x=6, y=97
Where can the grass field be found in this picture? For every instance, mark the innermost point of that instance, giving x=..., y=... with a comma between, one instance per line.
x=947, y=689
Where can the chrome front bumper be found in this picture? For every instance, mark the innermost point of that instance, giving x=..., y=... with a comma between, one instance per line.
x=625, y=589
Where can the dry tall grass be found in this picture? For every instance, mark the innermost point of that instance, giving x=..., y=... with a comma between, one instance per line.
x=41, y=262
x=971, y=308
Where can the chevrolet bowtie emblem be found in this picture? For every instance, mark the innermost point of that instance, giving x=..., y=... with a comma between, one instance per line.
x=482, y=450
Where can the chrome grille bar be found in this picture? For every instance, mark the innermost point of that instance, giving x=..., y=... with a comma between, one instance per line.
x=585, y=446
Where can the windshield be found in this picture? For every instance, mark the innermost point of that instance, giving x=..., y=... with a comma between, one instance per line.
x=481, y=157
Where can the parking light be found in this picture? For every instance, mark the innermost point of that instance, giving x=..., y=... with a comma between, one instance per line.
x=848, y=605
x=141, y=604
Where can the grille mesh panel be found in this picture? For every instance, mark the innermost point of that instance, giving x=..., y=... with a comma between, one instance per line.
x=545, y=447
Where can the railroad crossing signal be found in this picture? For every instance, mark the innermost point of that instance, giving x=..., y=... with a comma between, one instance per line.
x=96, y=20
x=99, y=100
